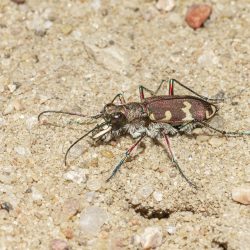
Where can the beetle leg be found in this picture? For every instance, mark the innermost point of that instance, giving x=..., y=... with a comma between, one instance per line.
x=171, y=154
x=174, y=81
x=154, y=93
x=141, y=91
x=121, y=98
x=223, y=132
x=127, y=154
x=188, y=127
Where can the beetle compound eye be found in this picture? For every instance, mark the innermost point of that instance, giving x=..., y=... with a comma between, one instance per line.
x=118, y=119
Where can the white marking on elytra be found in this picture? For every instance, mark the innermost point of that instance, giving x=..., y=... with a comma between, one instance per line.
x=212, y=114
x=166, y=118
x=186, y=110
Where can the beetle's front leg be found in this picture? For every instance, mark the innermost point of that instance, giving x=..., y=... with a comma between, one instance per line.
x=121, y=98
x=154, y=93
x=127, y=154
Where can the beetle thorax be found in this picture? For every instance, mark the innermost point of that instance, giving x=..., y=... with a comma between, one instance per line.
x=130, y=111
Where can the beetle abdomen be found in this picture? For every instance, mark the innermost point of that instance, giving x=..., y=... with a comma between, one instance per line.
x=178, y=110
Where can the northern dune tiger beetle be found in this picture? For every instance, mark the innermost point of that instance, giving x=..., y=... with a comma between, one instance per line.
x=155, y=116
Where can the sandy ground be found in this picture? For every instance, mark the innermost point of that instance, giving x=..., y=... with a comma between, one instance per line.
x=75, y=56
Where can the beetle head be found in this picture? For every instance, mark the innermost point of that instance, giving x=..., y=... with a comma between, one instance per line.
x=114, y=115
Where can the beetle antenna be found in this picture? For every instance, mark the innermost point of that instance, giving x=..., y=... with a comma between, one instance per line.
x=67, y=113
x=79, y=139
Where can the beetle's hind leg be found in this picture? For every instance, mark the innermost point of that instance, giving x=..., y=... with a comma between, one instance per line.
x=172, y=82
x=171, y=154
x=188, y=127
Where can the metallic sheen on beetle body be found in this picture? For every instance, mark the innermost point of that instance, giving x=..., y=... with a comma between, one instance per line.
x=156, y=117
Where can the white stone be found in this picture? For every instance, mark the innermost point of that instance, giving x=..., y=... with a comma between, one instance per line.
x=1, y=88
x=92, y=219
x=171, y=229
x=78, y=176
x=151, y=238
x=165, y=5
x=216, y=141
x=96, y=4
x=208, y=58
x=12, y=87
x=89, y=196
x=145, y=191
x=31, y=121
x=20, y=150
x=241, y=194
x=8, y=109
x=36, y=195
x=94, y=184
x=76, y=151
x=157, y=196
x=2, y=121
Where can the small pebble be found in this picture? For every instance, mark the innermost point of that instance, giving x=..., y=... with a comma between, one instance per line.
x=77, y=151
x=2, y=121
x=202, y=138
x=208, y=59
x=57, y=244
x=8, y=109
x=216, y=141
x=197, y=14
x=70, y=208
x=6, y=206
x=12, y=87
x=107, y=154
x=36, y=195
x=78, y=176
x=171, y=229
x=93, y=162
x=66, y=29
x=157, y=196
x=135, y=200
x=89, y=196
x=68, y=232
x=150, y=13
x=136, y=240
x=96, y=4
x=145, y=191
x=165, y=5
x=31, y=122
x=92, y=219
x=1, y=88
x=94, y=184
x=241, y=195
x=151, y=238
x=18, y=106
x=20, y=150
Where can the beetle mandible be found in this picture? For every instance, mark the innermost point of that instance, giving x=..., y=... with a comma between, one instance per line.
x=156, y=117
